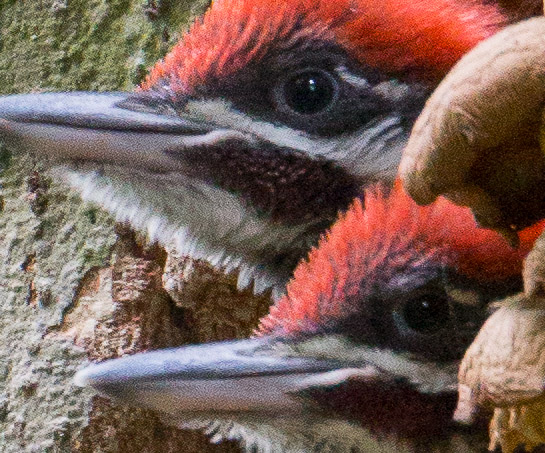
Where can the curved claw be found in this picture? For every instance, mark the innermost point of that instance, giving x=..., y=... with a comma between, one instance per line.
x=481, y=129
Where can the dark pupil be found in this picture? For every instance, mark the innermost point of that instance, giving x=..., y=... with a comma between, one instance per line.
x=309, y=92
x=426, y=314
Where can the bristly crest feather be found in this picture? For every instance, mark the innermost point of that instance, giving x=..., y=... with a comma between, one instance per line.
x=395, y=36
x=391, y=229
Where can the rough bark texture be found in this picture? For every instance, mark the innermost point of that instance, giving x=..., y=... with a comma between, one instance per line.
x=73, y=286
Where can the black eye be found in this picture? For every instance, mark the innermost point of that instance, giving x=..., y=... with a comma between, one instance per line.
x=310, y=91
x=426, y=314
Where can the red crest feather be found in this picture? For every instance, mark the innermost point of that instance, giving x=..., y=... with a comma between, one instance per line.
x=426, y=36
x=394, y=228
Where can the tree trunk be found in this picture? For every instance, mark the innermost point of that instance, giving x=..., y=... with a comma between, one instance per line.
x=73, y=285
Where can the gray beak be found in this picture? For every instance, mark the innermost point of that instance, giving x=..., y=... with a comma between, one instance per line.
x=228, y=377
x=100, y=127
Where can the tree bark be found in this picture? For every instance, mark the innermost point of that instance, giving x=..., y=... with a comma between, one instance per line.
x=74, y=286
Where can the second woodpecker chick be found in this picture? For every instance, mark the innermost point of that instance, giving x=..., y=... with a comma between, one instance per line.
x=259, y=126
x=362, y=353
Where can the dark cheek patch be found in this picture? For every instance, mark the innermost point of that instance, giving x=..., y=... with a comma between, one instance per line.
x=288, y=187
x=388, y=408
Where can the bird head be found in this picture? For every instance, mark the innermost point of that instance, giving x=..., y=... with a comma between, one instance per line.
x=260, y=125
x=363, y=349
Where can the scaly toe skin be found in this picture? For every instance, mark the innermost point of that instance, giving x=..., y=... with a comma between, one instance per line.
x=482, y=128
x=534, y=270
x=504, y=368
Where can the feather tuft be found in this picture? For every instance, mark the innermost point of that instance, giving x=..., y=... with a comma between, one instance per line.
x=390, y=232
x=395, y=36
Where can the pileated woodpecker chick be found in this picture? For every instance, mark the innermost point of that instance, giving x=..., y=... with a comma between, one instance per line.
x=259, y=126
x=360, y=355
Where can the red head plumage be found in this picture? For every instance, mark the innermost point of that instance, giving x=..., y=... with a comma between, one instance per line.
x=395, y=36
x=391, y=229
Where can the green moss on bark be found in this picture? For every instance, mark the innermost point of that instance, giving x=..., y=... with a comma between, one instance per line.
x=86, y=44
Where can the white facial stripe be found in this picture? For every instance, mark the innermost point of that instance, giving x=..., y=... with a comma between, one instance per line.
x=352, y=79
x=372, y=151
x=394, y=91
x=429, y=377
x=335, y=377
x=206, y=223
x=220, y=112
x=468, y=297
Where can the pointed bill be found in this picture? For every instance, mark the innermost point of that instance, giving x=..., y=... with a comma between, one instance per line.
x=237, y=376
x=102, y=127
